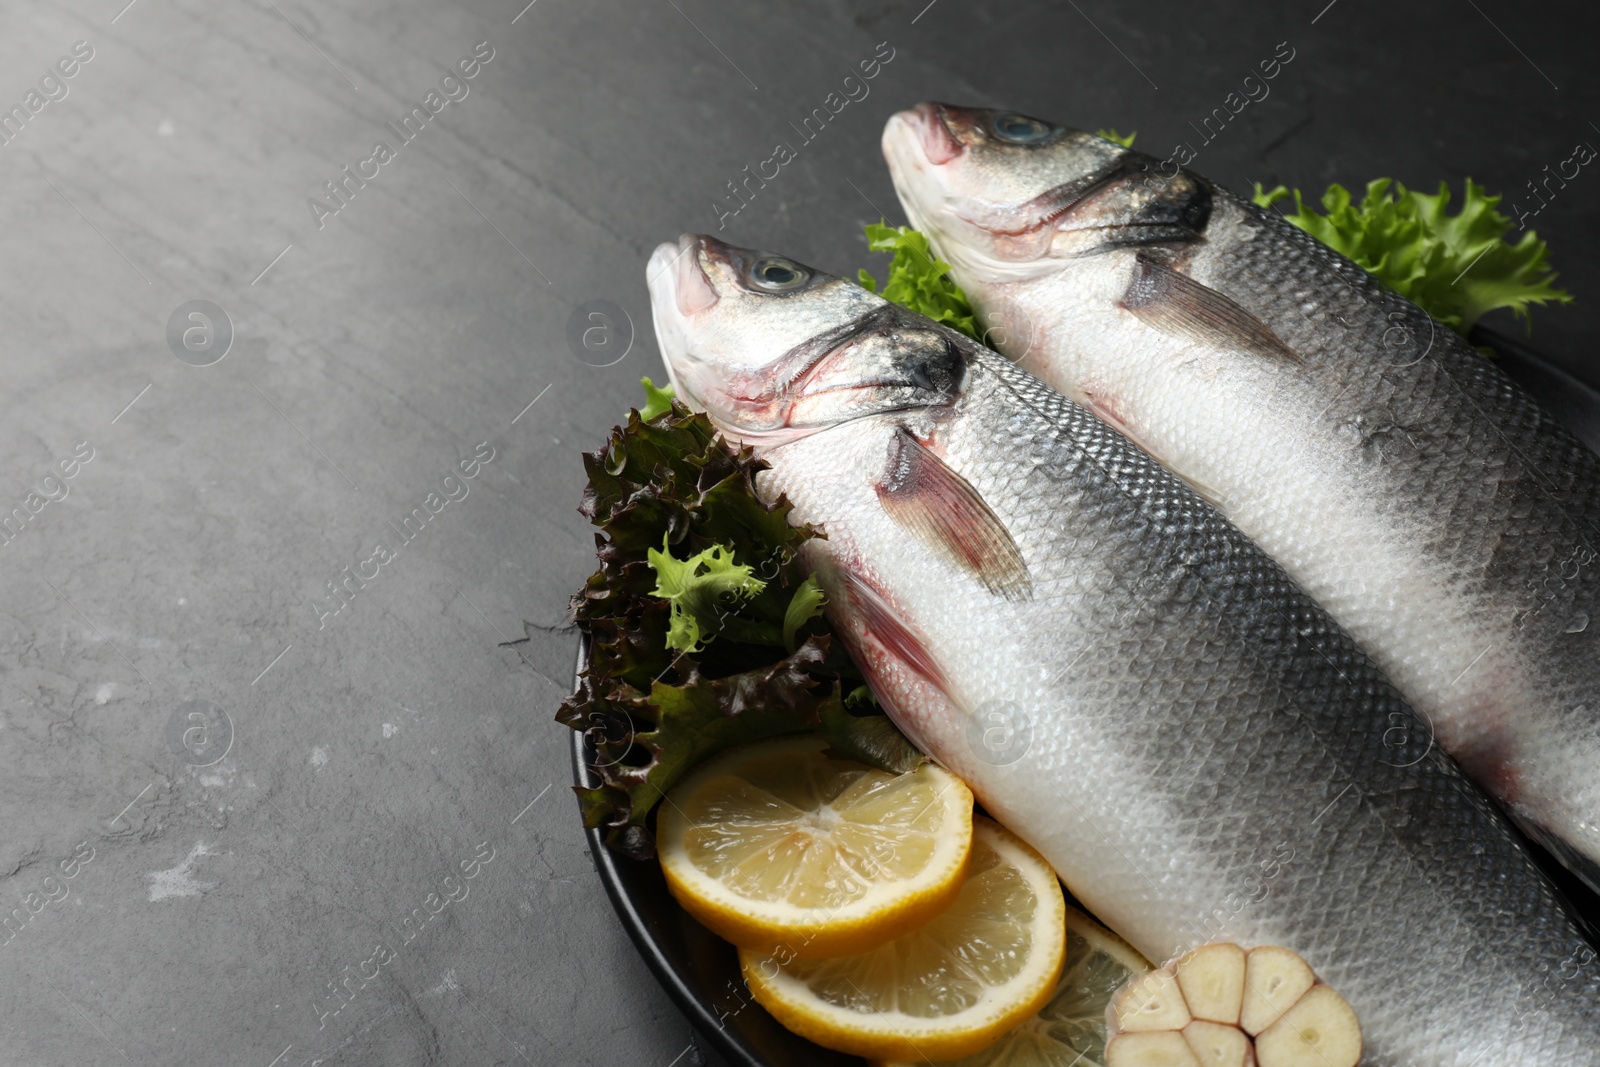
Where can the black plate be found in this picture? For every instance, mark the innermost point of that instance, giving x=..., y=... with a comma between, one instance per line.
x=701, y=971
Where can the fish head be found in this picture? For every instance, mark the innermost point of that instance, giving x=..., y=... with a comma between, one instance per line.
x=773, y=350
x=1005, y=197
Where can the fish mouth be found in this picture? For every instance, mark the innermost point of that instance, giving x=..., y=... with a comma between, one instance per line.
x=680, y=290
x=933, y=136
x=915, y=144
x=678, y=267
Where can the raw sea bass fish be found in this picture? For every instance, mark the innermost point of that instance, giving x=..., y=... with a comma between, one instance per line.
x=1122, y=677
x=1428, y=503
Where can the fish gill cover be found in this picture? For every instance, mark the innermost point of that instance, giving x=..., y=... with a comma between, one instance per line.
x=703, y=631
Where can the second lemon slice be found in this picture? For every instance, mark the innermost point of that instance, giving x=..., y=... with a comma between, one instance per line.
x=1070, y=1030
x=949, y=989
x=778, y=848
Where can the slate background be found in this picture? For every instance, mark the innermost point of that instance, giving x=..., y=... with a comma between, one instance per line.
x=370, y=757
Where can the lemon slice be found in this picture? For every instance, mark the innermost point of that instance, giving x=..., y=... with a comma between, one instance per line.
x=1070, y=1030
x=776, y=847
x=946, y=990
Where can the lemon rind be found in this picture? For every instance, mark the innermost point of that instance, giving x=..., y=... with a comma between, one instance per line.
x=896, y=1035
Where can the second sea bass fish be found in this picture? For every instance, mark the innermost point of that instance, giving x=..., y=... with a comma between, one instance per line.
x=1429, y=504
x=1121, y=676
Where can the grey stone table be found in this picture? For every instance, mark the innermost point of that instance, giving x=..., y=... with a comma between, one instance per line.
x=290, y=432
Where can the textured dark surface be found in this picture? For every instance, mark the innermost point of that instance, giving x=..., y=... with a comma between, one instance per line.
x=376, y=754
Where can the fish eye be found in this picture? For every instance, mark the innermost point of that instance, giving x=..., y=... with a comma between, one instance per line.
x=1020, y=129
x=778, y=275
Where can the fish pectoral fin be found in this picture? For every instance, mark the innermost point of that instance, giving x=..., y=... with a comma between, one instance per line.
x=1176, y=304
x=921, y=493
x=881, y=622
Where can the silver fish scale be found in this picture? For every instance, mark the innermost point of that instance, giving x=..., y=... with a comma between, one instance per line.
x=1502, y=505
x=1509, y=485
x=1209, y=756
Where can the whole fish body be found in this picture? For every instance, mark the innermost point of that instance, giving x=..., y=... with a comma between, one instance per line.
x=1122, y=677
x=1430, y=505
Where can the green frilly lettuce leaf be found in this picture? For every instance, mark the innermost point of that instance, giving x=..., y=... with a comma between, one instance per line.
x=701, y=589
x=704, y=632
x=917, y=279
x=656, y=401
x=1457, y=267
